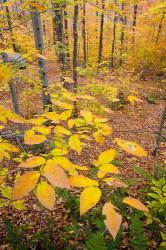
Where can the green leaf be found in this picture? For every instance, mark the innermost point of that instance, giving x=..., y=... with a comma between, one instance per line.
x=6, y=192
x=95, y=241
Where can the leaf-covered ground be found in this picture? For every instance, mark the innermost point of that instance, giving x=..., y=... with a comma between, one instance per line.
x=137, y=123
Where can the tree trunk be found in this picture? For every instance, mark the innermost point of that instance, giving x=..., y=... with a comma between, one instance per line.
x=101, y=33
x=39, y=44
x=66, y=34
x=75, y=47
x=134, y=22
x=122, y=34
x=113, y=39
x=75, y=54
x=15, y=48
x=59, y=36
x=159, y=134
x=84, y=33
x=160, y=26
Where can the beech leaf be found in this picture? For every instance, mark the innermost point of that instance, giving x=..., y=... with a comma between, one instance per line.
x=25, y=184
x=113, y=219
x=135, y=203
x=88, y=198
x=46, y=195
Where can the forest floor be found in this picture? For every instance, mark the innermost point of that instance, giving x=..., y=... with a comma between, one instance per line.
x=137, y=123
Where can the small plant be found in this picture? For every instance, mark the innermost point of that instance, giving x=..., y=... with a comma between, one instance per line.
x=152, y=99
x=157, y=204
x=138, y=240
x=17, y=239
x=96, y=241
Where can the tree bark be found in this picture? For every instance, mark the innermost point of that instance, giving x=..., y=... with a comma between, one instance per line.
x=160, y=26
x=159, y=134
x=134, y=22
x=101, y=33
x=59, y=36
x=75, y=47
x=15, y=48
x=84, y=33
x=122, y=34
x=113, y=39
x=66, y=34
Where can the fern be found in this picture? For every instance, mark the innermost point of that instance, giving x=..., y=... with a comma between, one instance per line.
x=116, y=244
x=144, y=173
x=15, y=236
x=138, y=240
x=96, y=241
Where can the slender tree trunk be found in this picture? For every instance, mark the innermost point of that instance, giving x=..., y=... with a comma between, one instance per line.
x=122, y=34
x=159, y=134
x=15, y=48
x=113, y=39
x=59, y=37
x=160, y=26
x=75, y=46
x=39, y=44
x=66, y=33
x=13, y=90
x=97, y=20
x=134, y=22
x=101, y=33
x=84, y=33
x=75, y=54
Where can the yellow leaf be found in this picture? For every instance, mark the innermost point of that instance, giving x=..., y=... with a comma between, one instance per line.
x=114, y=182
x=62, y=130
x=107, y=110
x=37, y=121
x=133, y=99
x=30, y=138
x=85, y=97
x=113, y=219
x=41, y=130
x=99, y=138
x=46, y=195
x=16, y=118
x=71, y=123
x=106, y=156
x=38, y=6
x=25, y=184
x=68, y=79
x=5, y=73
x=105, y=129
x=64, y=163
x=131, y=147
x=4, y=146
x=52, y=116
x=56, y=175
x=83, y=168
x=32, y=162
x=65, y=115
x=88, y=198
x=19, y=205
x=69, y=96
x=59, y=151
x=109, y=168
x=100, y=174
x=135, y=203
x=87, y=116
x=82, y=181
x=62, y=105
x=75, y=143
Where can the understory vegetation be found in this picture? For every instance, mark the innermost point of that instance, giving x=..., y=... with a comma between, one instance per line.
x=82, y=125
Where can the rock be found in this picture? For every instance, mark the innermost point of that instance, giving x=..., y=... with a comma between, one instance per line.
x=14, y=58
